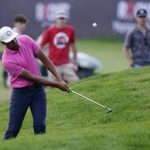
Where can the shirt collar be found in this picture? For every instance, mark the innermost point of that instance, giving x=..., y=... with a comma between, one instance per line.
x=11, y=51
x=137, y=29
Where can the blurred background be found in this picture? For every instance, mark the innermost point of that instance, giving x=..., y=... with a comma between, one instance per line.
x=103, y=43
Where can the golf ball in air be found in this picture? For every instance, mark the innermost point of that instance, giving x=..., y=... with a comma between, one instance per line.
x=94, y=24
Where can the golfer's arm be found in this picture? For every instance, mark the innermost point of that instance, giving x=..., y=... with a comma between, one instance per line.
x=128, y=55
x=37, y=79
x=74, y=50
x=49, y=65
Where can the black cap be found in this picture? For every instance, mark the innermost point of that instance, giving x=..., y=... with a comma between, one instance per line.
x=141, y=13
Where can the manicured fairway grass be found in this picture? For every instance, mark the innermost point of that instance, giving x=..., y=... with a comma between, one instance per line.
x=74, y=124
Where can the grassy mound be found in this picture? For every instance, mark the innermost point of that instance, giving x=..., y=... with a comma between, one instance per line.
x=73, y=123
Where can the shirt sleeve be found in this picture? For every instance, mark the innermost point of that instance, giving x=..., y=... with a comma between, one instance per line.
x=72, y=38
x=13, y=69
x=45, y=37
x=128, y=40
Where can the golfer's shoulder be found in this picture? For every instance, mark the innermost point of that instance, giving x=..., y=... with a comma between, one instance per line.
x=7, y=60
x=6, y=56
x=23, y=37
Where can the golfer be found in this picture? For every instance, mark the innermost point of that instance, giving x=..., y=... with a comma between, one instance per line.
x=137, y=42
x=20, y=25
x=61, y=38
x=28, y=91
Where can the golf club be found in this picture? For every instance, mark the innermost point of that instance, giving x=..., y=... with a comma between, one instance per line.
x=108, y=109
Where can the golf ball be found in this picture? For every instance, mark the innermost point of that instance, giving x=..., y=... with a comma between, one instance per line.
x=94, y=24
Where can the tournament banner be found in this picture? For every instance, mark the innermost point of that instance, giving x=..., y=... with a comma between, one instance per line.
x=126, y=13
x=113, y=17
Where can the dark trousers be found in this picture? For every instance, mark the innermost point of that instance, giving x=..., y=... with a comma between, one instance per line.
x=21, y=99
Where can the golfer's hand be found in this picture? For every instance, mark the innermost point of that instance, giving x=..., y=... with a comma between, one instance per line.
x=63, y=86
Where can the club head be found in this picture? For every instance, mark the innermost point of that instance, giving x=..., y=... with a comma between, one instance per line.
x=109, y=110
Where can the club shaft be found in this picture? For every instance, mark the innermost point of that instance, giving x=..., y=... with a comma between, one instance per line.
x=89, y=99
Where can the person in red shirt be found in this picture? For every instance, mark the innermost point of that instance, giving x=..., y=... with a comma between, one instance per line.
x=60, y=38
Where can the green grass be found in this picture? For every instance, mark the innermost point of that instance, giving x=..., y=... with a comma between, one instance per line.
x=1, y=47
x=74, y=124
x=108, y=51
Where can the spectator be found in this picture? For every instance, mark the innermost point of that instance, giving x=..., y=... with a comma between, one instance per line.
x=60, y=38
x=20, y=23
x=137, y=42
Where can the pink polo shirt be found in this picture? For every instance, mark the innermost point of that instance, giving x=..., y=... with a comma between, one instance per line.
x=15, y=62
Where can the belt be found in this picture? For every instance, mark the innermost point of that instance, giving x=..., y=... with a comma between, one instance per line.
x=28, y=87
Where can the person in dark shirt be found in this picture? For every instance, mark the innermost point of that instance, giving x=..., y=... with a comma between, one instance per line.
x=137, y=42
